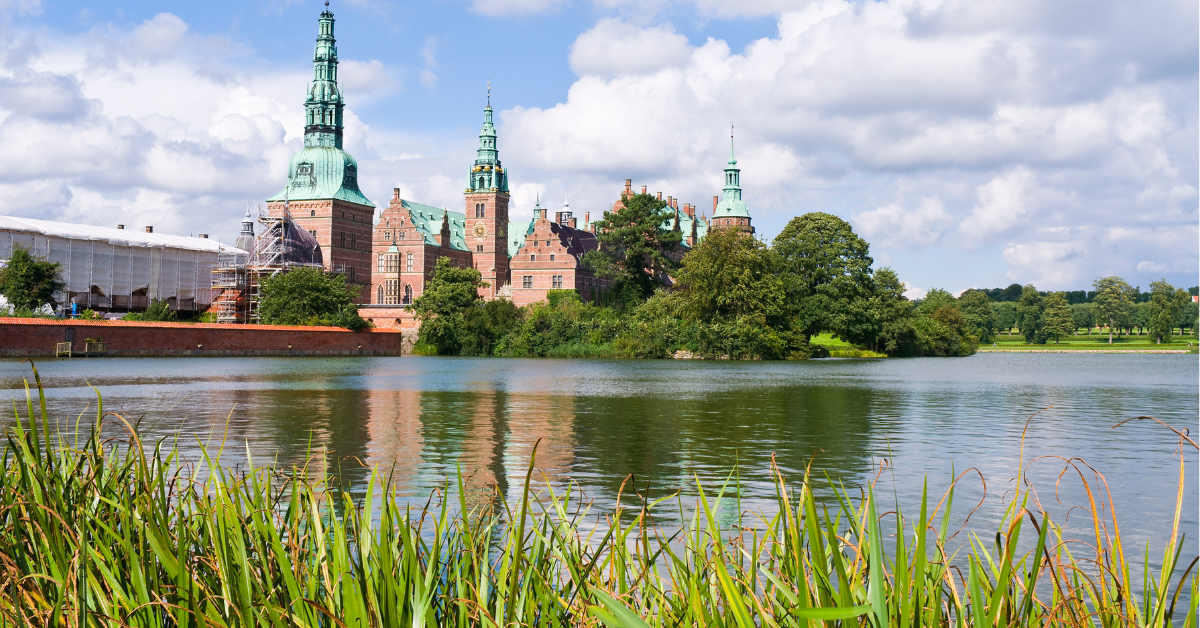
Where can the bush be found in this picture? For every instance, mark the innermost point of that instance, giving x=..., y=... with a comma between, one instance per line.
x=159, y=311
x=309, y=296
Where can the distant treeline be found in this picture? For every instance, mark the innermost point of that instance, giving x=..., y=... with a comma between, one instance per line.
x=1012, y=294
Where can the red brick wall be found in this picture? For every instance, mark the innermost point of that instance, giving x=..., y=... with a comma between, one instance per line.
x=21, y=337
x=330, y=219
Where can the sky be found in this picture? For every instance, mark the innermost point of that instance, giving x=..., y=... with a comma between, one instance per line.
x=972, y=143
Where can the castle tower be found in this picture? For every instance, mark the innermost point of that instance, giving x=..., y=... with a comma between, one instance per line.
x=731, y=212
x=322, y=193
x=487, y=209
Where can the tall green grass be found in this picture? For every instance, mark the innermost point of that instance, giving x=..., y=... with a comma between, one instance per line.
x=123, y=533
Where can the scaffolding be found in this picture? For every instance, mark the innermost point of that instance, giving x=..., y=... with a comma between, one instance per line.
x=279, y=246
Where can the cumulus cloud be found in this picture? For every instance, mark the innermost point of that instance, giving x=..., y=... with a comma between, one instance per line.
x=514, y=7
x=1007, y=119
x=893, y=226
x=615, y=48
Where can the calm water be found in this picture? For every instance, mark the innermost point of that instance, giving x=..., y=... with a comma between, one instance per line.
x=667, y=422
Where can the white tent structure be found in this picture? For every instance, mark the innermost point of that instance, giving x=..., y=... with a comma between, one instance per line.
x=109, y=269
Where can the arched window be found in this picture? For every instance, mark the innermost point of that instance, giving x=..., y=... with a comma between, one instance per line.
x=407, y=295
x=380, y=299
x=312, y=212
x=409, y=263
x=478, y=248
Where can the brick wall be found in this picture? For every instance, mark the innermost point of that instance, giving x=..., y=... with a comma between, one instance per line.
x=29, y=337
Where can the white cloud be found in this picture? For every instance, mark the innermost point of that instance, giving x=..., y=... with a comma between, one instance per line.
x=1148, y=267
x=892, y=226
x=613, y=48
x=1004, y=203
x=514, y=7
x=912, y=292
x=428, y=79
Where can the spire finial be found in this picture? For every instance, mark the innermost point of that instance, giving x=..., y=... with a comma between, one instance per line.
x=489, y=90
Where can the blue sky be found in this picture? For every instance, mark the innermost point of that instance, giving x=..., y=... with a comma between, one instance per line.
x=971, y=142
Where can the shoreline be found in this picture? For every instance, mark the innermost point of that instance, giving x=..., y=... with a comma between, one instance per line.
x=998, y=350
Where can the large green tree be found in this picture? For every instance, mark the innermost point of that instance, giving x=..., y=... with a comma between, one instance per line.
x=941, y=329
x=977, y=314
x=728, y=285
x=893, y=315
x=309, y=296
x=1056, y=317
x=443, y=306
x=1083, y=316
x=1029, y=315
x=1005, y=315
x=28, y=283
x=1112, y=302
x=1162, y=311
x=638, y=251
x=826, y=272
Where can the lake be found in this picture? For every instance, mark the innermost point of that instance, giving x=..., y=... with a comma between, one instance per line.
x=667, y=422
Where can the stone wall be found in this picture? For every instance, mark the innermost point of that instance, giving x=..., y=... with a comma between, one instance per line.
x=33, y=337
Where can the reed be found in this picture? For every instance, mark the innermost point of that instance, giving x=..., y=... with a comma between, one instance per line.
x=122, y=533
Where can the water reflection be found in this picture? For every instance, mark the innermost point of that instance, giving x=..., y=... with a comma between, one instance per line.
x=665, y=422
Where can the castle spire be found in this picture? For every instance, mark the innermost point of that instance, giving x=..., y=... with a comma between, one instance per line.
x=323, y=107
x=487, y=173
x=733, y=185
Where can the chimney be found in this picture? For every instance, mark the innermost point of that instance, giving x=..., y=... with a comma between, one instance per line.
x=714, y=205
x=629, y=186
x=690, y=210
x=396, y=193
x=670, y=202
x=558, y=217
x=203, y=236
x=658, y=197
x=675, y=204
x=572, y=221
x=120, y=226
x=643, y=189
x=149, y=228
x=587, y=218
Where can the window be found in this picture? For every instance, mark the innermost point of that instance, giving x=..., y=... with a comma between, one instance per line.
x=547, y=243
x=313, y=232
x=410, y=262
x=527, y=281
x=556, y=282
x=537, y=242
x=407, y=295
x=312, y=213
x=379, y=299
x=381, y=256
x=354, y=240
x=480, y=210
x=552, y=257
x=352, y=269
x=533, y=258
x=478, y=248
x=342, y=239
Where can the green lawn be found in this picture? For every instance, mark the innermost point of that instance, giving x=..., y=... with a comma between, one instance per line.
x=1096, y=340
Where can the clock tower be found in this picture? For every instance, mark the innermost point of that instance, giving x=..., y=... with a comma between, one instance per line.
x=487, y=209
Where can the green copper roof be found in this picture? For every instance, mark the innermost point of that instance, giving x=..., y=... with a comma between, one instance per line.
x=322, y=170
x=487, y=174
x=516, y=236
x=428, y=220
x=731, y=206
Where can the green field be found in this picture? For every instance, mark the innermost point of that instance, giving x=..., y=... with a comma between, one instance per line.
x=1096, y=341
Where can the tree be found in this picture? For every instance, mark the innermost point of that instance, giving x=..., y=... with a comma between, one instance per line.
x=1140, y=317
x=1162, y=311
x=28, y=283
x=1188, y=315
x=977, y=314
x=1083, y=316
x=727, y=284
x=158, y=311
x=1029, y=315
x=892, y=313
x=1005, y=315
x=1112, y=301
x=442, y=307
x=940, y=327
x=636, y=249
x=826, y=272
x=1056, y=316
x=309, y=296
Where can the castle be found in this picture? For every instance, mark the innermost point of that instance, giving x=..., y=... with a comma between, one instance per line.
x=388, y=260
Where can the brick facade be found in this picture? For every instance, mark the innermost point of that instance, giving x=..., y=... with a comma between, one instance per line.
x=550, y=260
x=344, y=231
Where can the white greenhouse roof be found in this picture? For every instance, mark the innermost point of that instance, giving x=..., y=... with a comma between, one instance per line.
x=118, y=237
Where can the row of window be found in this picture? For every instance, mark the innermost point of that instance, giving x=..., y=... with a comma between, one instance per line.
x=556, y=281
x=533, y=257
x=389, y=262
x=389, y=292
